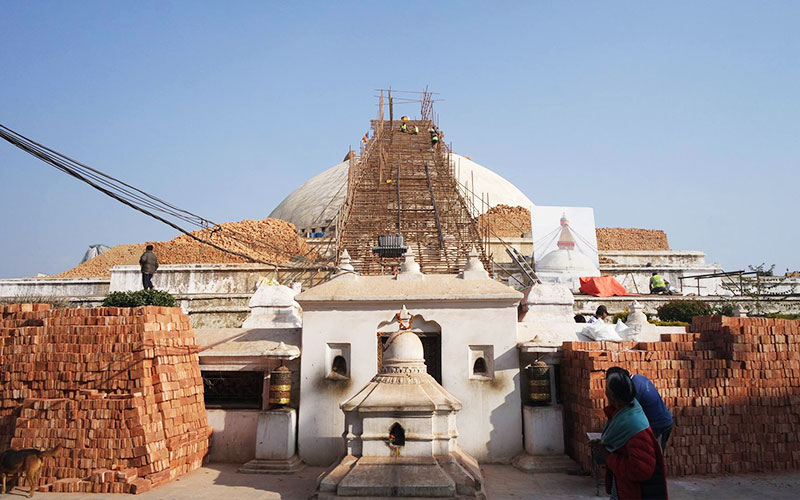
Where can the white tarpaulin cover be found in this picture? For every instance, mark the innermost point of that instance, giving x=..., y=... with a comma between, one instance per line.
x=599, y=331
x=94, y=251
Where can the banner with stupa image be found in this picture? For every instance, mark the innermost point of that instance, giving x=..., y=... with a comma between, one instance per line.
x=564, y=244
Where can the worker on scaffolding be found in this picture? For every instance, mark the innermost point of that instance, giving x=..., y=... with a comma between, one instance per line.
x=416, y=130
x=434, y=136
x=404, y=127
x=658, y=284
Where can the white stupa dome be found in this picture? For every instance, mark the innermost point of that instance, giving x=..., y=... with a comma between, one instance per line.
x=566, y=264
x=405, y=346
x=567, y=261
x=312, y=207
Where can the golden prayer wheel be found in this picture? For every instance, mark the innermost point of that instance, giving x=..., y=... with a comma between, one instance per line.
x=539, y=383
x=280, y=387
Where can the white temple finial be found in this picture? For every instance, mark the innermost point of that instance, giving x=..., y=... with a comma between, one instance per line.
x=410, y=270
x=636, y=316
x=344, y=262
x=345, y=268
x=404, y=315
x=474, y=269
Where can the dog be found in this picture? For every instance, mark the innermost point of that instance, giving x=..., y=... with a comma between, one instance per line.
x=30, y=461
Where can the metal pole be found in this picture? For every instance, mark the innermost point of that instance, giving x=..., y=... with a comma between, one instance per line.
x=397, y=190
x=435, y=209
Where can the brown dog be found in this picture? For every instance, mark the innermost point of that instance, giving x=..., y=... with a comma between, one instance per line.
x=14, y=462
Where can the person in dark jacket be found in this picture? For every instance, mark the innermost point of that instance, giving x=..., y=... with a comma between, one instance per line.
x=657, y=413
x=149, y=264
x=628, y=447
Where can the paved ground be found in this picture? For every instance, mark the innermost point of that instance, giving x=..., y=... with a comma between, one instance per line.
x=220, y=481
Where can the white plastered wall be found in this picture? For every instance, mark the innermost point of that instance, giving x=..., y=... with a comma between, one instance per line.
x=490, y=423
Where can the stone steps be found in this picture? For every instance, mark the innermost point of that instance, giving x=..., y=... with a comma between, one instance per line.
x=266, y=466
x=541, y=464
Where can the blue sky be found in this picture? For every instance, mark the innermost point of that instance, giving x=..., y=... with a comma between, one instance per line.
x=681, y=116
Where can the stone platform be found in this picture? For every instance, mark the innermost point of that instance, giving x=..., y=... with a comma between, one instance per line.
x=407, y=477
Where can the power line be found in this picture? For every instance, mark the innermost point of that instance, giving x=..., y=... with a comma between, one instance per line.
x=138, y=199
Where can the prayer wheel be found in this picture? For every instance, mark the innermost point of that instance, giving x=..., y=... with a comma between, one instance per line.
x=280, y=387
x=539, y=383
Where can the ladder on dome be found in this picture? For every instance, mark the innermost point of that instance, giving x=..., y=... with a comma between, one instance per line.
x=518, y=259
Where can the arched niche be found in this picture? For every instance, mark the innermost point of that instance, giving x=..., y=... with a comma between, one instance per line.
x=397, y=435
x=428, y=331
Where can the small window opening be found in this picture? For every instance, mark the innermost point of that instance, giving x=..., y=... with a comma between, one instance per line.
x=479, y=368
x=397, y=435
x=339, y=365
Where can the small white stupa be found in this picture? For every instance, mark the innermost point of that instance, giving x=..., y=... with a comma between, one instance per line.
x=401, y=434
x=567, y=264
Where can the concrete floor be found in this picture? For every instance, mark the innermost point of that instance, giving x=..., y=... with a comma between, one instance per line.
x=220, y=481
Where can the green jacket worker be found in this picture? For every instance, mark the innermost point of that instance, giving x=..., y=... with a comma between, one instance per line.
x=149, y=264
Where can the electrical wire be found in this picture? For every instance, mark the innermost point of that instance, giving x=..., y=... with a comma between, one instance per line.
x=142, y=201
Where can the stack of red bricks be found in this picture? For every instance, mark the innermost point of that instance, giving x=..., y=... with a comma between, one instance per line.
x=119, y=388
x=733, y=388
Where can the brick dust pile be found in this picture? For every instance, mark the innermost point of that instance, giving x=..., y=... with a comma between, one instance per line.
x=506, y=221
x=732, y=386
x=119, y=388
x=630, y=238
x=273, y=240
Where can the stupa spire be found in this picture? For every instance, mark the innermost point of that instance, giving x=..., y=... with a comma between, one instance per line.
x=565, y=240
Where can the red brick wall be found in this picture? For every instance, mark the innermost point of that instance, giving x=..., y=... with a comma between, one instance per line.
x=119, y=388
x=733, y=387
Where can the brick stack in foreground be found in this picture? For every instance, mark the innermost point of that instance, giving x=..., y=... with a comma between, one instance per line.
x=733, y=388
x=120, y=389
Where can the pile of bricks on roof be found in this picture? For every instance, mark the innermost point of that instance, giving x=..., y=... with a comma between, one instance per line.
x=271, y=240
x=119, y=389
x=733, y=388
x=631, y=238
x=506, y=221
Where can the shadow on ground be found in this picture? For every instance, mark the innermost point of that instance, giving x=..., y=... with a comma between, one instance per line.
x=503, y=482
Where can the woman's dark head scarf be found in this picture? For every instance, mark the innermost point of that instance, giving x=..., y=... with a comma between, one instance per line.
x=619, y=383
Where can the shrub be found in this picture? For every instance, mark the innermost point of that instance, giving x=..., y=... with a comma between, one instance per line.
x=682, y=310
x=140, y=298
x=783, y=316
x=727, y=309
x=621, y=316
x=668, y=323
